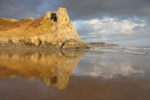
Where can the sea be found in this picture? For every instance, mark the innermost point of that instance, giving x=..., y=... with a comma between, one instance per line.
x=125, y=50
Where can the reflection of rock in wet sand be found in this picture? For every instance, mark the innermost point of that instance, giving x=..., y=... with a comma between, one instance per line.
x=53, y=68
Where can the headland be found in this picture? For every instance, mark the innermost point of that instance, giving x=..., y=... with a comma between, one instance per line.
x=53, y=30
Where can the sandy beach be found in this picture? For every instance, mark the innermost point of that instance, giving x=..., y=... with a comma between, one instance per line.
x=73, y=75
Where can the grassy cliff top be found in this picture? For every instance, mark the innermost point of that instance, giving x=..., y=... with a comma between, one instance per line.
x=25, y=27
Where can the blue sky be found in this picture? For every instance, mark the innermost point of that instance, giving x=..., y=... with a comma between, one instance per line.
x=125, y=22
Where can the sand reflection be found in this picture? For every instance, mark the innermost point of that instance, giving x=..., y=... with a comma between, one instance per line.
x=112, y=66
x=51, y=67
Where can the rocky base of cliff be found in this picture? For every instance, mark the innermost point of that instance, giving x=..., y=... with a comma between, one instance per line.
x=37, y=42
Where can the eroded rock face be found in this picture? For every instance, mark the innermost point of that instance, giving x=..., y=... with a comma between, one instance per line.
x=63, y=33
x=48, y=15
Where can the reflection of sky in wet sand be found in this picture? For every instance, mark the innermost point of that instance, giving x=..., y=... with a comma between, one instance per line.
x=109, y=66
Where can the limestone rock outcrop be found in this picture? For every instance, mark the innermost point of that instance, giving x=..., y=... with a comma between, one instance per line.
x=30, y=18
x=53, y=30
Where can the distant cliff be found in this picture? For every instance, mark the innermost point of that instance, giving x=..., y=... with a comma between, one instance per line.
x=101, y=44
x=53, y=30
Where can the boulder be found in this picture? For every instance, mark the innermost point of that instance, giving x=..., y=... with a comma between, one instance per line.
x=30, y=18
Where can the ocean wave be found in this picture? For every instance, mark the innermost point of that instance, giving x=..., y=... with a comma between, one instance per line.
x=130, y=50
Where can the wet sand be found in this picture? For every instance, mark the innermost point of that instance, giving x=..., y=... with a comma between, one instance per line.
x=78, y=88
x=82, y=75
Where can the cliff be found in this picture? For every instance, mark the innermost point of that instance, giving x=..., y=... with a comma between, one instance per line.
x=101, y=44
x=53, y=30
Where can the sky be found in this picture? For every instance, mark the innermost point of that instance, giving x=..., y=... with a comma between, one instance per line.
x=123, y=22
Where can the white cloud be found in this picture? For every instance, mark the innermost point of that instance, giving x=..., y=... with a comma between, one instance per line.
x=111, y=26
x=114, y=30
